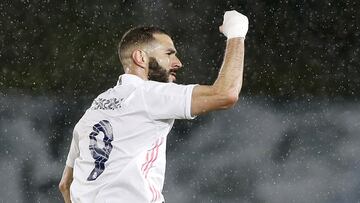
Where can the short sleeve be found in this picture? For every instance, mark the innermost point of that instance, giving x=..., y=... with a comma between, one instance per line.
x=168, y=100
x=74, y=150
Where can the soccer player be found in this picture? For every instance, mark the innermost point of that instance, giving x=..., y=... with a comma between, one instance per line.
x=117, y=154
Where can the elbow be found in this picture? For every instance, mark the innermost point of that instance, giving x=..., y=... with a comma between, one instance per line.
x=230, y=100
x=63, y=186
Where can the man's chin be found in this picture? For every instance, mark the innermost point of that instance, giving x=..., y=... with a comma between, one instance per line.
x=172, y=78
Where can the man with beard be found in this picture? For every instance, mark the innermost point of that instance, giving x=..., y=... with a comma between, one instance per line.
x=117, y=153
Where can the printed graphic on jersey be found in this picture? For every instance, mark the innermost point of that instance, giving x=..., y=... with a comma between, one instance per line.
x=151, y=157
x=106, y=104
x=100, y=154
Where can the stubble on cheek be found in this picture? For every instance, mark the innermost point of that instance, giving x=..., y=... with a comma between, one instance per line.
x=157, y=72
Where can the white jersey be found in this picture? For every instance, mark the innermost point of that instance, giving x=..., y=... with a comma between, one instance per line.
x=118, y=147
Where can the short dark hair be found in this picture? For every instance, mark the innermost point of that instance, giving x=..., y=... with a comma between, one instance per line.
x=138, y=35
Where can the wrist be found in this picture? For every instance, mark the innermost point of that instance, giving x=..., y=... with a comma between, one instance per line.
x=236, y=39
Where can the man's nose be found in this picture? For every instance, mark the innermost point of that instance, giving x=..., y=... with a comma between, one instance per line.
x=177, y=63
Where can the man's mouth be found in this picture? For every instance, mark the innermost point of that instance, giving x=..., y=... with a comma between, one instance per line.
x=173, y=74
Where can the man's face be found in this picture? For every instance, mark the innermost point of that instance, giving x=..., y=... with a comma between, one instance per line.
x=163, y=62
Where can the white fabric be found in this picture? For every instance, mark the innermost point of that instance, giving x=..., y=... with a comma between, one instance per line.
x=235, y=24
x=138, y=116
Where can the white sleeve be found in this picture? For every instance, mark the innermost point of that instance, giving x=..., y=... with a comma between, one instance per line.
x=74, y=150
x=168, y=100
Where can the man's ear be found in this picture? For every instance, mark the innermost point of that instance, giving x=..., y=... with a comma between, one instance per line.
x=139, y=57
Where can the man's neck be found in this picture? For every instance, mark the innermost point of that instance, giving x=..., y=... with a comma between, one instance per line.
x=140, y=72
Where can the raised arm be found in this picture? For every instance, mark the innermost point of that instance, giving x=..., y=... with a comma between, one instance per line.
x=225, y=91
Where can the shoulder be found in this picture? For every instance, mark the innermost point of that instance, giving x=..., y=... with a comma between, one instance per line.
x=151, y=83
x=164, y=88
x=108, y=100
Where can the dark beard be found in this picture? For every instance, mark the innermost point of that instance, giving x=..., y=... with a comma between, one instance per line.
x=157, y=72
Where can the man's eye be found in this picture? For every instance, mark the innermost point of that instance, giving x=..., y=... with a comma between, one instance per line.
x=169, y=54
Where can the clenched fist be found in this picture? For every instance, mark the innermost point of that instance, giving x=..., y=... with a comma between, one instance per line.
x=234, y=25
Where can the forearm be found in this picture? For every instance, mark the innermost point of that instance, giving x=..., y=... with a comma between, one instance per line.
x=230, y=76
x=66, y=195
x=65, y=182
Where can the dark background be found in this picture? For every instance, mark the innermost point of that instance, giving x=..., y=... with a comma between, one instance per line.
x=295, y=127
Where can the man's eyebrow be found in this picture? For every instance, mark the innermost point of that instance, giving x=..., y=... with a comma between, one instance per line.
x=171, y=51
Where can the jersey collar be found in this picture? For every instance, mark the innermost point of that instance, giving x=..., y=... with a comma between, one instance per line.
x=129, y=79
